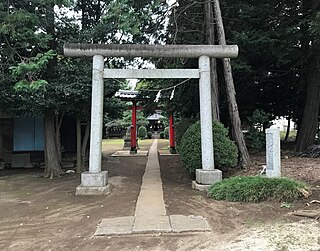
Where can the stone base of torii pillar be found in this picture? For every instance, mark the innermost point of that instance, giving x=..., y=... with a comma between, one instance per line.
x=205, y=178
x=94, y=184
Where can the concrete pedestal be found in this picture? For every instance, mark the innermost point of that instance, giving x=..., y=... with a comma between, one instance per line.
x=94, y=184
x=205, y=178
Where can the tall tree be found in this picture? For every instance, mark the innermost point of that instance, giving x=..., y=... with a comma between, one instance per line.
x=310, y=118
x=231, y=94
x=210, y=33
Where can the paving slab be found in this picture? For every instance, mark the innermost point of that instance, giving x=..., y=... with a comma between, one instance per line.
x=166, y=153
x=115, y=226
x=150, y=202
x=157, y=224
x=128, y=154
x=191, y=223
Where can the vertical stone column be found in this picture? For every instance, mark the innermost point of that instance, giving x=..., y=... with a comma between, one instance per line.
x=94, y=182
x=208, y=174
x=273, y=154
x=171, y=134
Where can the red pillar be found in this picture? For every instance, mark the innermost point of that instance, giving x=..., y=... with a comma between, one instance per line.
x=171, y=134
x=134, y=128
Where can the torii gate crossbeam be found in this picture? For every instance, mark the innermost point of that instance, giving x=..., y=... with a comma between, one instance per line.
x=95, y=181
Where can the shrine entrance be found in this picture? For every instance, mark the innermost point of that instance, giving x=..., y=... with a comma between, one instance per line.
x=95, y=181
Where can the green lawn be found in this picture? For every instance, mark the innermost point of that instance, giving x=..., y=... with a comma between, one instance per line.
x=118, y=143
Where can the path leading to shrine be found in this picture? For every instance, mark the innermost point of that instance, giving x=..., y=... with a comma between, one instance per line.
x=150, y=213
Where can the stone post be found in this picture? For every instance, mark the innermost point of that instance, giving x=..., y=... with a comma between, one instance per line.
x=273, y=155
x=94, y=182
x=208, y=174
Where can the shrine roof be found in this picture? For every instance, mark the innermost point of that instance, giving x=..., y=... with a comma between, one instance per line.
x=128, y=95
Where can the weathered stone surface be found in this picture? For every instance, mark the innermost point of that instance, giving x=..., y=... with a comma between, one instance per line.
x=206, y=114
x=105, y=190
x=191, y=223
x=128, y=154
x=208, y=177
x=97, y=115
x=156, y=224
x=94, y=179
x=200, y=187
x=273, y=155
x=115, y=226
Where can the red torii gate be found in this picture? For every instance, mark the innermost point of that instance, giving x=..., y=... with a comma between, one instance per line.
x=134, y=97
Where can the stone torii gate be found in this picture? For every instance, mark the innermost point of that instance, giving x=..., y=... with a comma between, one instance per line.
x=95, y=181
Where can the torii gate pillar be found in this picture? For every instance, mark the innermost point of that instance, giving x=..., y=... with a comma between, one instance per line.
x=94, y=182
x=171, y=134
x=133, y=133
x=208, y=175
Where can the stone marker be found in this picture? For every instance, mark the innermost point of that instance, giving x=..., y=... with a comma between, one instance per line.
x=273, y=152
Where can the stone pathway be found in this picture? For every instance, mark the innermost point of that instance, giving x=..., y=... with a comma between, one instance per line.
x=150, y=214
x=126, y=153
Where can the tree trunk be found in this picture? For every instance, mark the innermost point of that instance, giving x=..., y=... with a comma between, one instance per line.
x=288, y=129
x=84, y=145
x=214, y=77
x=53, y=167
x=244, y=158
x=79, y=143
x=58, y=122
x=308, y=128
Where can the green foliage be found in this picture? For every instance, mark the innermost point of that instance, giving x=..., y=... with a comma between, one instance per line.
x=292, y=135
x=142, y=132
x=127, y=119
x=181, y=127
x=161, y=135
x=166, y=132
x=255, y=137
x=149, y=135
x=225, y=151
x=257, y=188
x=31, y=70
x=259, y=119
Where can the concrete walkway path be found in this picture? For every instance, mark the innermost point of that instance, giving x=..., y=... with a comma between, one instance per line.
x=150, y=214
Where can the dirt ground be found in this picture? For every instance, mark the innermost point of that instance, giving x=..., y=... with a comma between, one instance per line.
x=43, y=214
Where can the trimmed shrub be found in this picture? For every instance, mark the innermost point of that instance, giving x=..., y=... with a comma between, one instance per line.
x=225, y=150
x=257, y=188
x=142, y=132
x=149, y=135
x=166, y=132
x=181, y=127
x=161, y=135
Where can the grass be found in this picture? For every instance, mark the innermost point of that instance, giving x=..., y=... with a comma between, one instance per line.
x=143, y=143
x=112, y=142
x=292, y=135
x=257, y=188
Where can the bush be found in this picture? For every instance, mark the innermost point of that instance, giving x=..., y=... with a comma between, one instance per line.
x=225, y=150
x=166, y=132
x=161, y=135
x=257, y=188
x=255, y=137
x=142, y=132
x=149, y=135
x=181, y=127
